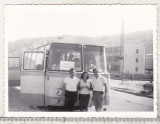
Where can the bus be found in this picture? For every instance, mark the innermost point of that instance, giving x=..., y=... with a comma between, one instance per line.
x=14, y=70
x=44, y=69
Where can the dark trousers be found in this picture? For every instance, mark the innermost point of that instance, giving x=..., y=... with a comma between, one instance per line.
x=70, y=99
x=83, y=101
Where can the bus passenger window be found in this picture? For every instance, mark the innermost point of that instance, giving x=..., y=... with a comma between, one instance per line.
x=65, y=56
x=77, y=64
x=93, y=58
x=56, y=60
x=33, y=61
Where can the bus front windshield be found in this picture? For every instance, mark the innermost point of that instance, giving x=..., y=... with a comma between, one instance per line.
x=94, y=58
x=64, y=57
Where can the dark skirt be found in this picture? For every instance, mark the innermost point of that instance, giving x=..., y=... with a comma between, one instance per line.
x=83, y=101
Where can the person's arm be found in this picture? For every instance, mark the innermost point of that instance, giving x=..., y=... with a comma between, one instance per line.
x=91, y=86
x=64, y=88
x=105, y=90
x=78, y=86
x=105, y=87
x=64, y=84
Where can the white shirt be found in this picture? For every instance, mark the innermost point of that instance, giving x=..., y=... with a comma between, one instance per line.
x=83, y=87
x=71, y=83
x=98, y=83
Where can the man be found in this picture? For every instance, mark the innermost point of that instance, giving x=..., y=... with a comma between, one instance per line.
x=99, y=83
x=70, y=86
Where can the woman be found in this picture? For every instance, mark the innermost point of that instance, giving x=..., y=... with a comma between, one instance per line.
x=85, y=86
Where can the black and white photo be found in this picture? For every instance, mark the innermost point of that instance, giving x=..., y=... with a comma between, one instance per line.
x=81, y=60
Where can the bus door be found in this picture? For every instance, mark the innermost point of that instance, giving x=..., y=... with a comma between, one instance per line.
x=32, y=78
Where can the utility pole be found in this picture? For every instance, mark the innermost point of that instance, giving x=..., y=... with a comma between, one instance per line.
x=122, y=50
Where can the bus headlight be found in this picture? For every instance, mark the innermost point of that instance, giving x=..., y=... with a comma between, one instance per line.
x=57, y=101
x=59, y=92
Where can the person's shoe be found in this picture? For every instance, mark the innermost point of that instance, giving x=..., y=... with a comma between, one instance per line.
x=105, y=109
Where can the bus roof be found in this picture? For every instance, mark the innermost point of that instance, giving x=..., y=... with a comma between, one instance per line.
x=75, y=40
x=79, y=40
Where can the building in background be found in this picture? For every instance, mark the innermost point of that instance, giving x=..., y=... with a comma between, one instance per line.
x=149, y=63
x=133, y=57
x=113, y=59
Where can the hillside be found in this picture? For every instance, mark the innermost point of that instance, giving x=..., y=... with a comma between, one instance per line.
x=144, y=38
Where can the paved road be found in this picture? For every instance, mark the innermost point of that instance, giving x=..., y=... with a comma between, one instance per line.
x=119, y=101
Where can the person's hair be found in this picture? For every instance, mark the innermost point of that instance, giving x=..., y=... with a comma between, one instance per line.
x=95, y=70
x=83, y=74
x=72, y=69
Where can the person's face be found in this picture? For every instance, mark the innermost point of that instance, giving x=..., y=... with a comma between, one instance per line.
x=95, y=73
x=72, y=73
x=85, y=76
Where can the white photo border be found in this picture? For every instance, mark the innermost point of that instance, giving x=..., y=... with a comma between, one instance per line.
x=79, y=114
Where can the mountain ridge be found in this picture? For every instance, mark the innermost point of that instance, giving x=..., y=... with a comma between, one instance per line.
x=144, y=38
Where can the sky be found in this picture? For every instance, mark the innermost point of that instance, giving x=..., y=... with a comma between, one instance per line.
x=33, y=21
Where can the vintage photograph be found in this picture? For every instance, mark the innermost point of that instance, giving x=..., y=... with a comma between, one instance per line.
x=81, y=58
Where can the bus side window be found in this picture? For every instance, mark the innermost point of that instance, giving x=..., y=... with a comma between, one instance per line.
x=33, y=61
